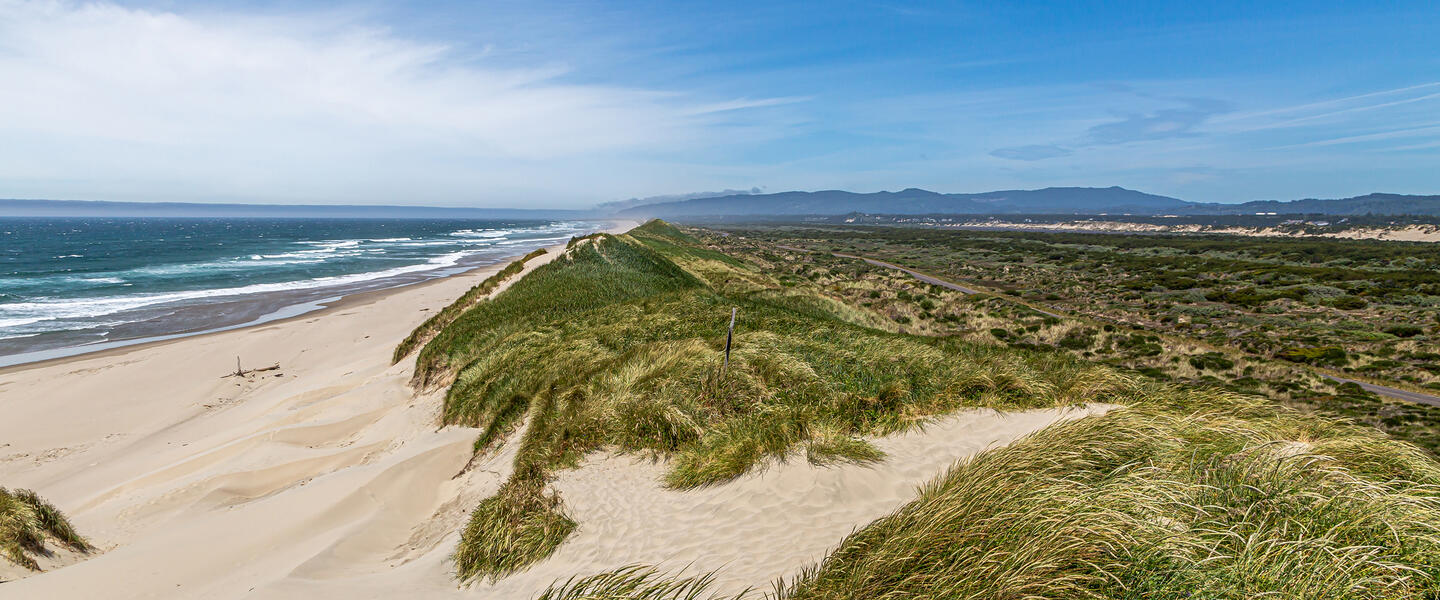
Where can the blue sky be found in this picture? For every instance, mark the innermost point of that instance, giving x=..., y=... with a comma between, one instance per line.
x=569, y=104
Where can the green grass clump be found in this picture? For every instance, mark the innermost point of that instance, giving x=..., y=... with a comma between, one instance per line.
x=26, y=520
x=1182, y=495
x=632, y=583
x=517, y=526
x=469, y=299
x=619, y=343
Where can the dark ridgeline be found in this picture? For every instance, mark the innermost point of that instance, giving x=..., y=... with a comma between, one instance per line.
x=910, y=201
x=1054, y=201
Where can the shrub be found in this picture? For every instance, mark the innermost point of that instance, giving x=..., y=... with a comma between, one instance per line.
x=1320, y=355
x=1404, y=331
x=1078, y=339
x=1213, y=361
x=1349, y=303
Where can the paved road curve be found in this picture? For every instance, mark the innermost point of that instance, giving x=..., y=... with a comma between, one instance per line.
x=918, y=275
x=1396, y=393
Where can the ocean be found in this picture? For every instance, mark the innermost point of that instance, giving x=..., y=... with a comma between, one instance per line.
x=72, y=285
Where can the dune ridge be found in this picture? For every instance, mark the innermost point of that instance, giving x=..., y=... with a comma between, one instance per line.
x=331, y=475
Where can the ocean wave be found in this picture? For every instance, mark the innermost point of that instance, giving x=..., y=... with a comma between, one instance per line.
x=532, y=240
x=331, y=243
x=25, y=313
x=445, y=249
x=482, y=233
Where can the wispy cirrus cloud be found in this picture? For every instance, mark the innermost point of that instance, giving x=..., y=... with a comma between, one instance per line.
x=1031, y=152
x=1176, y=121
x=285, y=104
x=1165, y=123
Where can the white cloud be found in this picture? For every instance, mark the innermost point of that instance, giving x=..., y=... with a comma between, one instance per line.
x=102, y=101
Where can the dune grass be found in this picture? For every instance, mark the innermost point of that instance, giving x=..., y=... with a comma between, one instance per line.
x=1182, y=494
x=466, y=301
x=619, y=343
x=632, y=583
x=513, y=528
x=26, y=521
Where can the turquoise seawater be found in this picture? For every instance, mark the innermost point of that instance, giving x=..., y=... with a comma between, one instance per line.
x=77, y=282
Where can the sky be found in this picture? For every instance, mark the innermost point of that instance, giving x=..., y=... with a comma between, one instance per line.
x=569, y=104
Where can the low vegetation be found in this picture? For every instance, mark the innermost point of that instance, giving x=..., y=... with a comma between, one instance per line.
x=619, y=343
x=1194, y=485
x=632, y=583
x=1254, y=315
x=1181, y=494
x=469, y=299
x=27, y=523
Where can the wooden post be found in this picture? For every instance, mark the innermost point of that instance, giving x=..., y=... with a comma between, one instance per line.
x=730, y=335
x=238, y=371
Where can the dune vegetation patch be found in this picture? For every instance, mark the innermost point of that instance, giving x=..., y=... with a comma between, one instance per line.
x=466, y=301
x=619, y=343
x=28, y=523
x=1181, y=494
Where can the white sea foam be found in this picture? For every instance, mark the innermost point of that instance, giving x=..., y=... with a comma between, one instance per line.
x=465, y=242
x=24, y=313
x=481, y=233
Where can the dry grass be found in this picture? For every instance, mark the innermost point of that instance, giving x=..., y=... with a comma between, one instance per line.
x=1180, y=495
x=619, y=343
x=27, y=521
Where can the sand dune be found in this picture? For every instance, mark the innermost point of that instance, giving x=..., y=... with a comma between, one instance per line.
x=330, y=477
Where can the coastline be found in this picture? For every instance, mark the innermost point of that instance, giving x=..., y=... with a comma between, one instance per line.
x=331, y=475
x=148, y=445
x=295, y=311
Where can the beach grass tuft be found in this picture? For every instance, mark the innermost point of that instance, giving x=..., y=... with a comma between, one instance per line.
x=517, y=526
x=633, y=583
x=27, y=521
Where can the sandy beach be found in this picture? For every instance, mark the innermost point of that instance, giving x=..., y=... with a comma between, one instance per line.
x=330, y=476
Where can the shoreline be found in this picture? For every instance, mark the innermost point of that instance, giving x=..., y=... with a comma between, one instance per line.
x=331, y=476
x=318, y=308
x=154, y=452
x=322, y=307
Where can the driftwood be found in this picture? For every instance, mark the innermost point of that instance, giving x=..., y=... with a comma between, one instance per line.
x=239, y=372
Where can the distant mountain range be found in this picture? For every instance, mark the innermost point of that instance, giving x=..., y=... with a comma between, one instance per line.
x=1067, y=200
x=912, y=201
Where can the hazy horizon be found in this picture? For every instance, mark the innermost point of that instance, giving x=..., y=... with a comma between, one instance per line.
x=568, y=106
